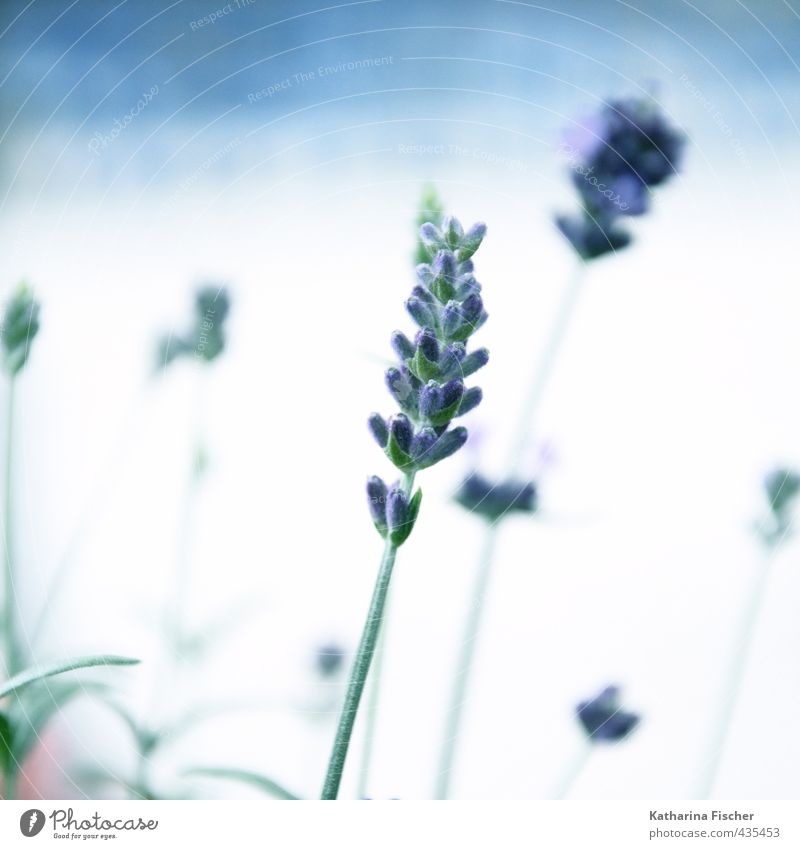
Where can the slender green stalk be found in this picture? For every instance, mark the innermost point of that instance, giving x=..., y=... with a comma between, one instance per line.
x=371, y=713
x=530, y=407
x=361, y=665
x=9, y=617
x=574, y=769
x=544, y=368
x=170, y=663
x=10, y=589
x=98, y=495
x=183, y=570
x=463, y=672
x=736, y=673
x=10, y=782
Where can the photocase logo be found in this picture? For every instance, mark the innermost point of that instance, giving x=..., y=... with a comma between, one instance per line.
x=31, y=822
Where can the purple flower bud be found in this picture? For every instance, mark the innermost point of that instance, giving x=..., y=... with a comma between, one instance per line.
x=430, y=236
x=402, y=345
x=430, y=399
x=422, y=442
x=472, y=397
x=426, y=341
x=329, y=660
x=471, y=309
x=396, y=508
x=592, y=237
x=444, y=266
x=420, y=312
x=472, y=240
x=402, y=431
x=451, y=393
x=603, y=719
x=452, y=231
x=376, y=500
x=403, y=386
x=446, y=445
x=494, y=501
x=451, y=319
x=423, y=294
x=473, y=361
x=378, y=429
x=424, y=274
x=451, y=358
x=466, y=266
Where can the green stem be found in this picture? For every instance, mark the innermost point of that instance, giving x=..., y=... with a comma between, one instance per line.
x=530, y=406
x=97, y=498
x=736, y=673
x=361, y=665
x=10, y=591
x=458, y=696
x=10, y=782
x=544, y=368
x=371, y=713
x=574, y=770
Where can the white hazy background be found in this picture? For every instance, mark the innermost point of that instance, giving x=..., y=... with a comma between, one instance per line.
x=674, y=394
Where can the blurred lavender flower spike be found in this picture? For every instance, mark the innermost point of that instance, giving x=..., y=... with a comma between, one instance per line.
x=494, y=501
x=20, y=326
x=781, y=487
x=616, y=159
x=330, y=659
x=430, y=210
x=205, y=340
x=603, y=719
x=428, y=382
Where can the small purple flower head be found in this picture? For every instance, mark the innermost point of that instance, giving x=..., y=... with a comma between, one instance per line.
x=603, y=719
x=495, y=501
x=616, y=159
x=206, y=338
x=329, y=659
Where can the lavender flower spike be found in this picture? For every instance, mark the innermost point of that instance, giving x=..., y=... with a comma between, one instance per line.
x=428, y=385
x=616, y=159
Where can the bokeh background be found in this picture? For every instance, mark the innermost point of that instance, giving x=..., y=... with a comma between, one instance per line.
x=264, y=160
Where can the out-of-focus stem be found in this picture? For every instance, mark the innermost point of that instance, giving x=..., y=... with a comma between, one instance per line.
x=463, y=671
x=574, y=769
x=736, y=673
x=530, y=406
x=544, y=369
x=9, y=619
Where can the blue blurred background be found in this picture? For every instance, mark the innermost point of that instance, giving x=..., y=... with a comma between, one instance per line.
x=282, y=148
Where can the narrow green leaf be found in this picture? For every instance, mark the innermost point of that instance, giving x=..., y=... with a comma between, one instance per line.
x=245, y=776
x=47, y=670
x=6, y=743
